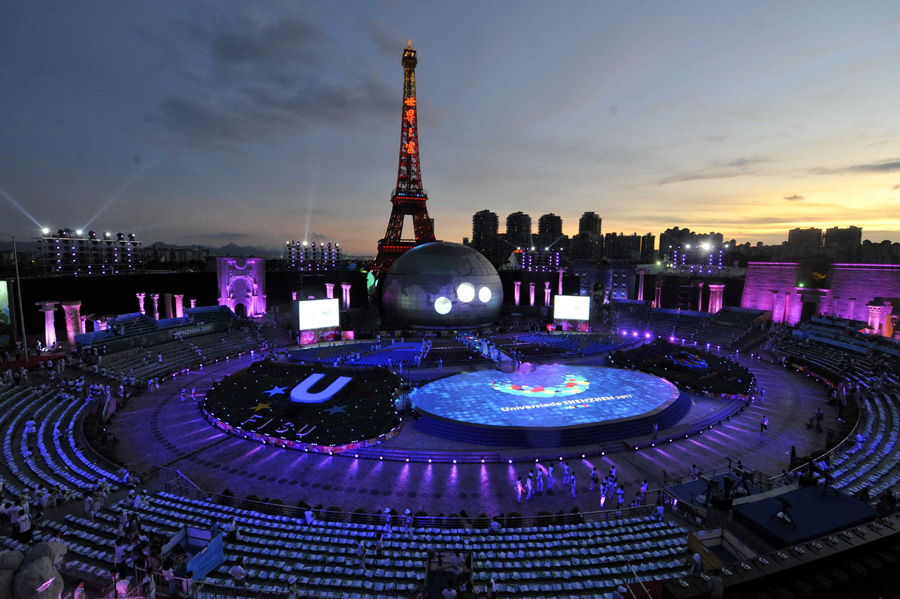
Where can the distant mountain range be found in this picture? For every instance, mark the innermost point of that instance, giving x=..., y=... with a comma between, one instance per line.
x=232, y=249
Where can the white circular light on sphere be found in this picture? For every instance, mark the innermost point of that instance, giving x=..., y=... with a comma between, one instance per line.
x=465, y=293
x=484, y=294
x=442, y=305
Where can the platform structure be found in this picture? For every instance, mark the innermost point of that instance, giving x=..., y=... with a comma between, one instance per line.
x=813, y=513
x=548, y=406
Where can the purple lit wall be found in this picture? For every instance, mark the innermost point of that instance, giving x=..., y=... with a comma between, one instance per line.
x=854, y=286
x=242, y=285
x=769, y=286
x=847, y=291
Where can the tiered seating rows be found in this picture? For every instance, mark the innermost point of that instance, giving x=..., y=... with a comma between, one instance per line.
x=567, y=560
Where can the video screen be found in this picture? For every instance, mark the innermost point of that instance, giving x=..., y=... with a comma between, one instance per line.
x=5, y=317
x=318, y=314
x=572, y=307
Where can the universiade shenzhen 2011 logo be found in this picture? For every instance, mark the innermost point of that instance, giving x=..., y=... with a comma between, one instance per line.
x=573, y=384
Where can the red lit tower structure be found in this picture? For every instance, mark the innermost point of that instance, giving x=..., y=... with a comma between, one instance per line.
x=408, y=197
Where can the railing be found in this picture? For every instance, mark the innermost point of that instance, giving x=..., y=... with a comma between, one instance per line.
x=612, y=514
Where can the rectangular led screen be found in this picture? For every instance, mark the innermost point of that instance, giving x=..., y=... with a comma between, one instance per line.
x=5, y=317
x=572, y=307
x=318, y=314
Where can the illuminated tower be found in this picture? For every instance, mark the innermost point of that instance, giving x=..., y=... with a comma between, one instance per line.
x=408, y=197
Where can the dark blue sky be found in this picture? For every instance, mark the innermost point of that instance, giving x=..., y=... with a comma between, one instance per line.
x=211, y=122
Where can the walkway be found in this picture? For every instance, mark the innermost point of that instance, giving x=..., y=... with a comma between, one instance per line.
x=159, y=429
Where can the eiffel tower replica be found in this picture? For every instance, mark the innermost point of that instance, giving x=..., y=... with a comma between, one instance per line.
x=408, y=198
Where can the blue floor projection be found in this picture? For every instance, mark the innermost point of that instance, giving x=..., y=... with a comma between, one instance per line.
x=489, y=406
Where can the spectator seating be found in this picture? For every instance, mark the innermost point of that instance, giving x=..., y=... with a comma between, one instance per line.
x=574, y=560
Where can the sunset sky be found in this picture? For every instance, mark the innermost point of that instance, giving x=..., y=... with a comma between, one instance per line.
x=257, y=123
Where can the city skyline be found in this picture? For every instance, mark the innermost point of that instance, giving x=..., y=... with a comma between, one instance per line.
x=212, y=123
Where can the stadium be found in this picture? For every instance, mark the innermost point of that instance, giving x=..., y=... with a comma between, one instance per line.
x=435, y=429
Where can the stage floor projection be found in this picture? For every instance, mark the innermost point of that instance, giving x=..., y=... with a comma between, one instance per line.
x=550, y=396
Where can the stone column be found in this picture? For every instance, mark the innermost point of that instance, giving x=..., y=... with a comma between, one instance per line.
x=345, y=289
x=83, y=327
x=775, y=316
x=546, y=293
x=517, y=290
x=294, y=295
x=100, y=323
x=657, y=300
x=876, y=317
x=167, y=305
x=72, y=310
x=193, y=303
x=716, y=293
x=699, y=295
x=531, y=292
x=48, y=308
x=851, y=308
x=641, y=274
x=155, y=298
x=888, y=329
x=179, y=305
x=329, y=290
x=787, y=308
x=140, y=298
x=561, y=271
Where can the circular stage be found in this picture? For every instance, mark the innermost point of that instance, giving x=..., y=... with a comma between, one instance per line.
x=313, y=408
x=548, y=406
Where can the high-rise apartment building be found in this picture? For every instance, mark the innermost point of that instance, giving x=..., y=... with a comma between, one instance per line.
x=486, y=235
x=588, y=244
x=843, y=244
x=618, y=246
x=518, y=230
x=648, y=247
x=808, y=237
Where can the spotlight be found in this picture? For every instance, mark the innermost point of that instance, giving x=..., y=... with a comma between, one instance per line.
x=510, y=461
x=45, y=231
x=78, y=232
